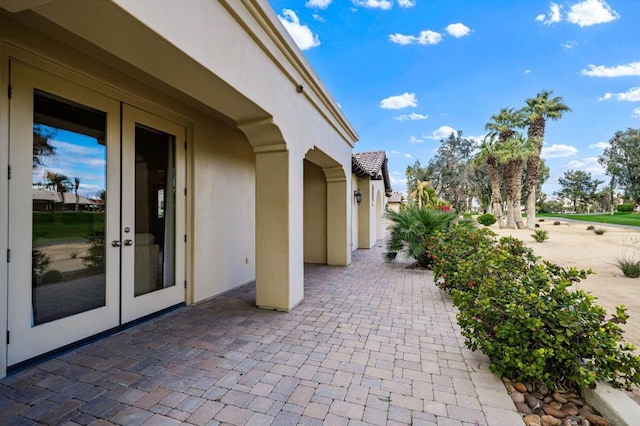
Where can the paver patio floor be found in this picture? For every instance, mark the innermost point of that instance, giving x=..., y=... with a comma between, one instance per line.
x=372, y=343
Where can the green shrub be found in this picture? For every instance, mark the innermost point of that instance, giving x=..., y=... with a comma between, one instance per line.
x=535, y=328
x=410, y=229
x=95, y=259
x=539, y=235
x=624, y=207
x=629, y=262
x=599, y=231
x=452, y=256
x=486, y=219
x=523, y=315
x=466, y=215
x=39, y=264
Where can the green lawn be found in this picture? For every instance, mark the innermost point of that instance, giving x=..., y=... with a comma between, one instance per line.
x=59, y=226
x=619, y=218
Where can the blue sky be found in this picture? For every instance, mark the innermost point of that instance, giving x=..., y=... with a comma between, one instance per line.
x=77, y=155
x=407, y=72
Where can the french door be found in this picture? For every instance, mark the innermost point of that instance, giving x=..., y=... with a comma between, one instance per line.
x=95, y=213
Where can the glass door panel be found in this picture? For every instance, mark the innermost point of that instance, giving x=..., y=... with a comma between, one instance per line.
x=154, y=247
x=153, y=215
x=64, y=147
x=69, y=193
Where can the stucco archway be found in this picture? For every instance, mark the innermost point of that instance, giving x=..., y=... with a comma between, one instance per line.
x=326, y=210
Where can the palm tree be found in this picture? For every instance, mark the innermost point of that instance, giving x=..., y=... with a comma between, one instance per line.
x=42, y=147
x=421, y=192
x=538, y=111
x=513, y=153
x=58, y=182
x=76, y=185
x=502, y=126
x=488, y=154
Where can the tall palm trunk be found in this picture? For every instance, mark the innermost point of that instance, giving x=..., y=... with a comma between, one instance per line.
x=496, y=196
x=516, y=182
x=508, y=177
x=535, y=133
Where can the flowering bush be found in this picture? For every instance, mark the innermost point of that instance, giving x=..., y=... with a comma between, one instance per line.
x=522, y=314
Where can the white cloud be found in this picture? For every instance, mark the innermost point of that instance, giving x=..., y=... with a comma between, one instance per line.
x=394, y=152
x=591, y=12
x=301, y=34
x=632, y=69
x=412, y=116
x=413, y=139
x=631, y=95
x=441, y=132
x=600, y=145
x=398, y=102
x=569, y=44
x=553, y=16
x=589, y=164
x=527, y=72
x=398, y=183
x=406, y=3
x=458, y=30
x=318, y=17
x=425, y=37
x=558, y=151
x=408, y=156
x=320, y=4
x=636, y=113
x=374, y=4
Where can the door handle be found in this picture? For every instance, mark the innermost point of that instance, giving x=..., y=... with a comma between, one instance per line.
x=115, y=243
x=128, y=242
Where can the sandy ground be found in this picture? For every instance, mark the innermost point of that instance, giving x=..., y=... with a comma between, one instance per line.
x=571, y=244
x=66, y=257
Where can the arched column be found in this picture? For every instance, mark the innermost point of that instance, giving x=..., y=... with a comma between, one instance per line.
x=379, y=214
x=279, y=229
x=338, y=213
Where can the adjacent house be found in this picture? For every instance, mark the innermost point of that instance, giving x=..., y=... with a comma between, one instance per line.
x=395, y=201
x=162, y=109
x=370, y=180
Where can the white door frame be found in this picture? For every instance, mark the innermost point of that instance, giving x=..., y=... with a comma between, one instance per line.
x=28, y=341
x=27, y=77
x=137, y=307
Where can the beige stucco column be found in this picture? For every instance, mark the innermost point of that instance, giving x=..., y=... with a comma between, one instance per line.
x=279, y=228
x=338, y=213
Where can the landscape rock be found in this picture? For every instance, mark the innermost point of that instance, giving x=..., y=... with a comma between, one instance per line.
x=532, y=418
x=570, y=409
x=597, y=420
x=554, y=411
x=548, y=420
x=558, y=397
x=520, y=387
x=523, y=408
x=531, y=400
x=517, y=396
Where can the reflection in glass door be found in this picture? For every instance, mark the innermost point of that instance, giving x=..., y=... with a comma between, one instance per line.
x=155, y=212
x=68, y=192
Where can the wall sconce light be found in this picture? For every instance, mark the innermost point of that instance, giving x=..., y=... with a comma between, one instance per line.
x=358, y=196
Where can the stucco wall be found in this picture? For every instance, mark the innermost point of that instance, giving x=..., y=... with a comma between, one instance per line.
x=224, y=209
x=221, y=164
x=315, y=214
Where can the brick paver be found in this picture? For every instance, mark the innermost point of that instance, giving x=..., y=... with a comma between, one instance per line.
x=372, y=343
